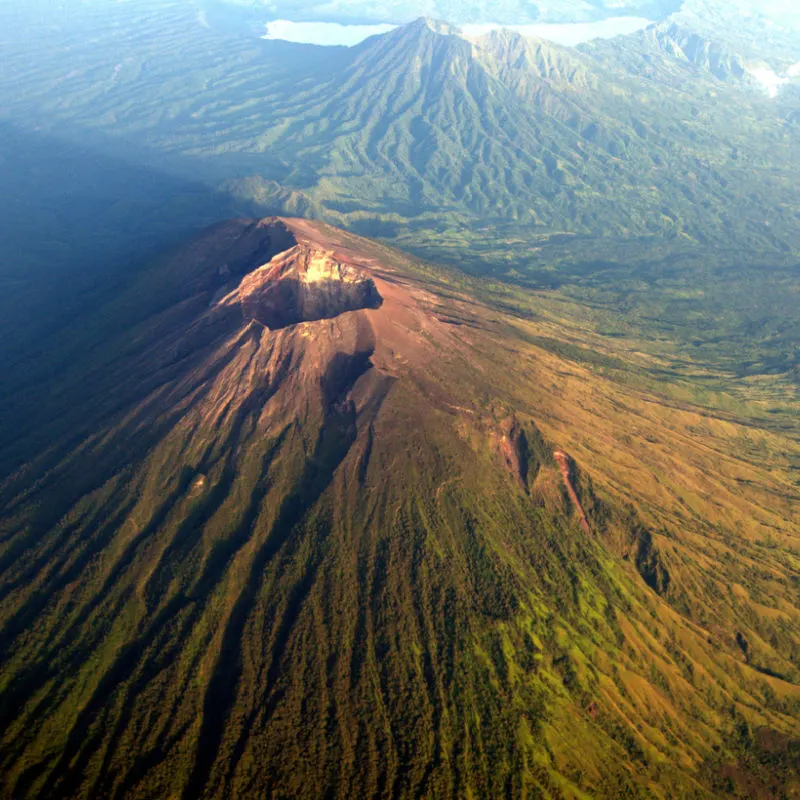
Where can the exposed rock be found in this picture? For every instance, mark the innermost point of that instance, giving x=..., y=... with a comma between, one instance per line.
x=303, y=284
x=567, y=467
x=703, y=53
x=515, y=450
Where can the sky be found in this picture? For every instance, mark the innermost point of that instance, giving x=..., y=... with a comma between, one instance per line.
x=460, y=12
x=328, y=33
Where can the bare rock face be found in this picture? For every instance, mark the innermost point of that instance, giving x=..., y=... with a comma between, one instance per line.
x=303, y=284
x=514, y=449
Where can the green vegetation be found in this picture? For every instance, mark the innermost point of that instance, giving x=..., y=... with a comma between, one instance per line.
x=418, y=131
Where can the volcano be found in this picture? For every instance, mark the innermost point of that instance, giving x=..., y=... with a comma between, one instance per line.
x=300, y=516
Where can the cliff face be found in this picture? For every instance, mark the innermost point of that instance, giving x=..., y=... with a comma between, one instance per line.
x=304, y=284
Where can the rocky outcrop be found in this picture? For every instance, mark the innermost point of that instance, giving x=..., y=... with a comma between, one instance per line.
x=514, y=449
x=705, y=54
x=303, y=284
x=567, y=467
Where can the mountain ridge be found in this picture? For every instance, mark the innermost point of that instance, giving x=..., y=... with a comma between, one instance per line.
x=543, y=123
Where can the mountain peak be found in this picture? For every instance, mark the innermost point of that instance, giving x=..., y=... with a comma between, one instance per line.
x=303, y=284
x=440, y=27
x=399, y=50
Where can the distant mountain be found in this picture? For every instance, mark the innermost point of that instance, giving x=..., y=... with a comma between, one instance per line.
x=721, y=62
x=672, y=54
x=292, y=515
x=423, y=129
x=422, y=124
x=761, y=30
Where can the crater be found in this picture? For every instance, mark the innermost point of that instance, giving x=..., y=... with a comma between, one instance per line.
x=304, y=284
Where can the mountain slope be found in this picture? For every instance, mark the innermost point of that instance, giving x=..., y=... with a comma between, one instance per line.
x=701, y=52
x=422, y=129
x=421, y=125
x=388, y=550
x=670, y=54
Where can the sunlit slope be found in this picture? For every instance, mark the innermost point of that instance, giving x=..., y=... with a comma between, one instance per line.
x=341, y=557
